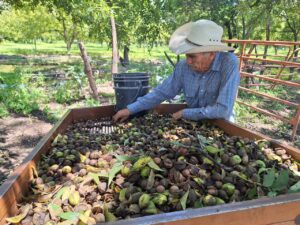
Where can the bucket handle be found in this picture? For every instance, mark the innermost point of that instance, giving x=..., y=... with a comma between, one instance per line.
x=138, y=92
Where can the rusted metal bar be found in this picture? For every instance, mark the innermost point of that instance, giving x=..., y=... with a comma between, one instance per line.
x=288, y=83
x=242, y=55
x=288, y=58
x=272, y=61
x=295, y=122
x=269, y=97
x=264, y=111
x=248, y=85
x=276, y=43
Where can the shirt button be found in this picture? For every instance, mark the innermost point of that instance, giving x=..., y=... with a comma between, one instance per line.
x=203, y=77
x=201, y=90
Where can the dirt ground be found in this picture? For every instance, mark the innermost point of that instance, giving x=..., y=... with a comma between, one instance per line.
x=18, y=136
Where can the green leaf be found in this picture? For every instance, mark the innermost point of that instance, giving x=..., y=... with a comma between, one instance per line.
x=60, y=193
x=54, y=210
x=269, y=178
x=122, y=193
x=95, y=177
x=294, y=188
x=198, y=180
x=69, y=215
x=198, y=204
x=212, y=150
x=272, y=194
x=282, y=181
x=114, y=170
x=151, y=180
x=122, y=158
x=154, y=166
x=109, y=217
x=252, y=193
x=183, y=199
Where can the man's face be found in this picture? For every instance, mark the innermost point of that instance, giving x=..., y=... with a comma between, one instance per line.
x=200, y=62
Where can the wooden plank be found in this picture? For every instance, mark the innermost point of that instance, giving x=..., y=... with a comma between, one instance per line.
x=16, y=185
x=254, y=212
x=92, y=113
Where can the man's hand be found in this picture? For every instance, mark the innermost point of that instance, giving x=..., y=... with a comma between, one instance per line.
x=121, y=115
x=177, y=115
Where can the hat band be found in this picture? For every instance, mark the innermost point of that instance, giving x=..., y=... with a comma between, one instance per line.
x=192, y=42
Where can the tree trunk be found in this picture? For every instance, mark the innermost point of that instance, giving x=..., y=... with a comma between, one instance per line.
x=244, y=28
x=88, y=70
x=115, y=59
x=268, y=31
x=227, y=25
x=126, y=56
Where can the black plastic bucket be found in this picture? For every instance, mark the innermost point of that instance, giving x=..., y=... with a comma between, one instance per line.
x=128, y=87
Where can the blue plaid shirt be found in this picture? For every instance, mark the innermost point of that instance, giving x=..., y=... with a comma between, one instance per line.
x=209, y=95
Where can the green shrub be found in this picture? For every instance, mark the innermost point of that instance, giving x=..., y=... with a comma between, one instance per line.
x=69, y=90
x=3, y=110
x=21, y=91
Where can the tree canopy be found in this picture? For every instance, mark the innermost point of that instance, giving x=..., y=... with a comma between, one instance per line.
x=146, y=22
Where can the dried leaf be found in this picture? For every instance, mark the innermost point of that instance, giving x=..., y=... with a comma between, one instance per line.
x=68, y=222
x=45, y=198
x=92, y=169
x=85, y=216
x=183, y=199
x=66, y=194
x=82, y=158
x=114, y=170
x=54, y=210
x=34, y=172
x=19, y=218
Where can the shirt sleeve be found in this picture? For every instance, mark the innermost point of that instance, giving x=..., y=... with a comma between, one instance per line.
x=223, y=107
x=167, y=90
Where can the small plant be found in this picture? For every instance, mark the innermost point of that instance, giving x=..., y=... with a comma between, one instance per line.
x=70, y=89
x=21, y=92
x=3, y=111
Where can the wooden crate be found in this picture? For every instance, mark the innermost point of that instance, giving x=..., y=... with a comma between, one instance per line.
x=284, y=209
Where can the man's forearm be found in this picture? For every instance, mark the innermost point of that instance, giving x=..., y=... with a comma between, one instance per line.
x=217, y=111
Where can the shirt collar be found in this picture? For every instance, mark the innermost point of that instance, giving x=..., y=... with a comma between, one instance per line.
x=217, y=62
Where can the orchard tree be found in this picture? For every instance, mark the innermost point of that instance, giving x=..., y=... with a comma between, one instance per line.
x=26, y=24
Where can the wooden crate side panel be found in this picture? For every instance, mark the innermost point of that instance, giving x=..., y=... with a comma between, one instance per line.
x=17, y=184
x=259, y=216
x=267, y=211
x=92, y=113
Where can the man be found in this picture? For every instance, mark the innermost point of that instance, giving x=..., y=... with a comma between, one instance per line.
x=208, y=77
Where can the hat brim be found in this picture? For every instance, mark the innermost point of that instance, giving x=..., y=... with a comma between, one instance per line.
x=179, y=45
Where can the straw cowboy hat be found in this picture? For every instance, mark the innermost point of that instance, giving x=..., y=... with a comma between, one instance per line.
x=196, y=37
